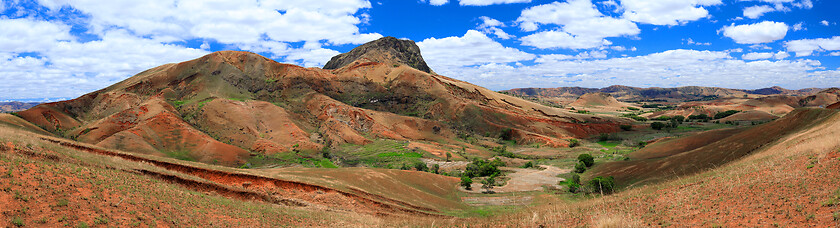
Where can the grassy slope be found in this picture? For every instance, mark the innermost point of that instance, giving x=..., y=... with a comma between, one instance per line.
x=791, y=182
x=703, y=151
x=55, y=186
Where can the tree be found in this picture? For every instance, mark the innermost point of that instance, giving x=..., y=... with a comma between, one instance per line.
x=466, y=182
x=587, y=159
x=657, y=125
x=436, y=169
x=488, y=183
x=580, y=167
x=679, y=118
x=448, y=156
x=603, y=185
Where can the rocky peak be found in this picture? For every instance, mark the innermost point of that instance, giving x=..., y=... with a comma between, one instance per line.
x=387, y=50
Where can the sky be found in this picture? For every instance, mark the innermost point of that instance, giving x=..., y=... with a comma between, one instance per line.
x=61, y=49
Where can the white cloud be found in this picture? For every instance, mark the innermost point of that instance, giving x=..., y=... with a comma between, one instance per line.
x=71, y=68
x=560, y=39
x=762, y=32
x=690, y=41
x=757, y=55
x=489, y=2
x=754, y=12
x=765, y=55
x=806, y=47
x=438, y=2
x=664, y=69
x=666, y=12
x=557, y=13
x=230, y=22
x=28, y=35
x=781, y=55
x=799, y=26
x=491, y=26
x=583, y=26
x=474, y=48
x=824, y=22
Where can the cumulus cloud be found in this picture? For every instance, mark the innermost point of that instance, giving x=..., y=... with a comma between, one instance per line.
x=438, y=2
x=560, y=39
x=28, y=35
x=799, y=26
x=583, y=26
x=289, y=21
x=663, y=69
x=806, y=47
x=765, y=55
x=444, y=55
x=491, y=26
x=560, y=13
x=754, y=12
x=762, y=32
x=824, y=22
x=666, y=12
x=489, y=2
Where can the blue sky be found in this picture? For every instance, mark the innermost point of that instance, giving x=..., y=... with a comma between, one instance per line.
x=53, y=49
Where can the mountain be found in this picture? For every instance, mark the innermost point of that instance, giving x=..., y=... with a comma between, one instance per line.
x=15, y=106
x=228, y=107
x=627, y=93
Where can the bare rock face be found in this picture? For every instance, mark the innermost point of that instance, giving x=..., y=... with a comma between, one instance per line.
x=387, y=50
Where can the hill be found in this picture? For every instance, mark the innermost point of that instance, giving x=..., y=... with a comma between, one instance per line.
x=228, y=107
x=687, y=93
x=14, y=106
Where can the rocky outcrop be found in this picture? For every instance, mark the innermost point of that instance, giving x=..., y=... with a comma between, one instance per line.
x=387, y=50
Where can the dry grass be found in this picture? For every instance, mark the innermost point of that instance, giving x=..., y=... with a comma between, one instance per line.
x=784, y=183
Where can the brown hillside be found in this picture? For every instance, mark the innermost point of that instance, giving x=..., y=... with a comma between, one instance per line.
x=707, y=150
x=228, y=105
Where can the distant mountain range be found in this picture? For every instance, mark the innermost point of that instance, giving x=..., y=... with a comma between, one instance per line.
x=627, y=93
x=14, y=106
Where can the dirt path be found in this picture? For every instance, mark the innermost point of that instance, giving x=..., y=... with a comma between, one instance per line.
x=524, y=180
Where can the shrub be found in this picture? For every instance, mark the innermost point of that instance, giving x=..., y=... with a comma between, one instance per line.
x=662, y=118
x=507, y=134
x=466, y=182
x=679, y=118
x=626, y=127
x=642, y=144
x=420, y=166
x=574, y=188
x=633, y=108
x=17, y=221
x=721, y=115
x=481, y=168
x=586, y=159
x=528, y=164
x=657, y=125
x=575, y=179
x=573, y=143
x=604, y=185
x=580, y=167
x=488, y=183
x=436, y=169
